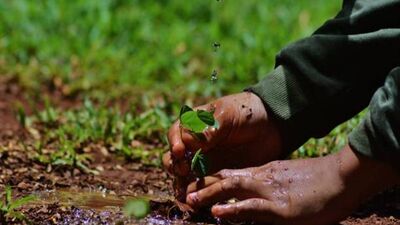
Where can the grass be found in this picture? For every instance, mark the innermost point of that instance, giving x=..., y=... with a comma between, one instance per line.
x=158, y=54
x=61, y=137
x=8, y=206
x=94, y=46
x=331, y=143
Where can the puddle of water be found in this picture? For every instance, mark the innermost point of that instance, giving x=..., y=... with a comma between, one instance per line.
x=91, y=199
x=96, y=207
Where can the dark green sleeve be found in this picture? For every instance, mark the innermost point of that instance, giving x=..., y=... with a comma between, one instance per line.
x=329, y=77
x=379, y=133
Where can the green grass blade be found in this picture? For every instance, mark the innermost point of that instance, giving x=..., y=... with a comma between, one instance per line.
x=8, y=195
x=22, y=201
x=21, y=115
x=17, y=215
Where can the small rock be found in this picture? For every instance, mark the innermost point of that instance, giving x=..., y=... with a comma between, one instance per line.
x=49, y=168
x=104, y=151
x=136, y=143
x=23, y=185
x=76, y=172
x=100, y=168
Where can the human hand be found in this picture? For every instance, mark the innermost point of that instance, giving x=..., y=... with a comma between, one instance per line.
x=310, y=191
x=246, y=136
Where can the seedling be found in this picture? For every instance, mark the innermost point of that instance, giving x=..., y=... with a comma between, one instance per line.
x=49, y=115
x=8, y=206
x=21, y=115
x=137, y=208
x=196, y=122
x=199, y=164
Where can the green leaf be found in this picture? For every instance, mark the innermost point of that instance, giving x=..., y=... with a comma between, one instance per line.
x=86, y=169
x=16, y=215
x=191, y=121
x=22, y=201
x=8, y=195
x=199, y=164
x=184, y=109
x=206, y=117
x=197, y=121
x=108, y=130
x=195, y=159
x=138, y=208
x=62, y=162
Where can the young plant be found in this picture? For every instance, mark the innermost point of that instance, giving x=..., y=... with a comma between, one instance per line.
x=49, y=115
x=137, y=208
x=21, y=115
x=8, y=206
x=196, y=122
x=199, y=164
x=66, y=133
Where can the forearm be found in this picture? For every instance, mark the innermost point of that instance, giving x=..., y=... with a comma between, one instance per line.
x=368, y=176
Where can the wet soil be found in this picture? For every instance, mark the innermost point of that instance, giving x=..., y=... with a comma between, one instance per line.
x=70, y=196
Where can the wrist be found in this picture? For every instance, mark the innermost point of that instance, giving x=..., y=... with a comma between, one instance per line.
x=271, y=126
x=366, y=175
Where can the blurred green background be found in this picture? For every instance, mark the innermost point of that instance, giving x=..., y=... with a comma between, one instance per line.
x=118, y=49
x=150, y=45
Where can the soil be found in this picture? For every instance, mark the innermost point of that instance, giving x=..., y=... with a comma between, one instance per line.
x=117, y=180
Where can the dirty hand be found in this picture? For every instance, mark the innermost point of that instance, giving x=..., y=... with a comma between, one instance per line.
x=310, y=191
x=246, y=136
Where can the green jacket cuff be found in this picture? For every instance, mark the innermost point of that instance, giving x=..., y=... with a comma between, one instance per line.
x=378, y=136
x=282, y=97
x=361, y=140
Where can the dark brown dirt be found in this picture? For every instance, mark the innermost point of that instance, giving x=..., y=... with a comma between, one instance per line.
x=373, y=220
x=9, y=96
x=19, y=169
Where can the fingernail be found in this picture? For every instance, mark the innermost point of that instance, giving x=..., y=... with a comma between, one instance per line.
x=193, y=197
x=219, y=207
x=216, y=210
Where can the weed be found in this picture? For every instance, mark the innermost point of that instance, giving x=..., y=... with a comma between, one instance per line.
x=69, y=132
x=49, y=115
x=8, y=206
